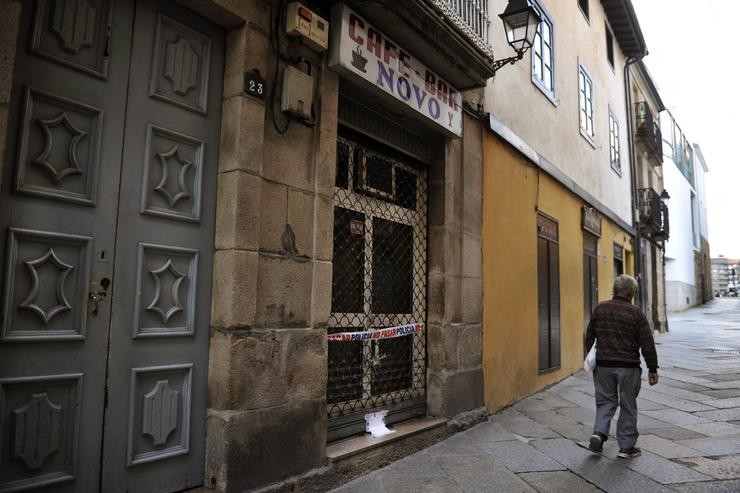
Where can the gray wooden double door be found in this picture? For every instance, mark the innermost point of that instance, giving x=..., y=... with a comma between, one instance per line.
x=107, y=215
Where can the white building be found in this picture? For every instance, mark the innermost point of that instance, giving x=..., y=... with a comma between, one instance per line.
x=687, y=277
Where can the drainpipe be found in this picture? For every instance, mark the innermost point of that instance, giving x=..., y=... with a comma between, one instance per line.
x=633, y=166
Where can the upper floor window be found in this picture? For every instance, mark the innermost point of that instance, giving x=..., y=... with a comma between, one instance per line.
x=543, y=56
x=586, y=102
x=614, y=154
x=583, y=4
x=609, y=46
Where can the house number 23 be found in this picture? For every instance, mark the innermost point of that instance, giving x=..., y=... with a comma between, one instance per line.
x=254, y=84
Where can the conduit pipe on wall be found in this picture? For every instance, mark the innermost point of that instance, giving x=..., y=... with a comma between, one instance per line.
x=633, y=168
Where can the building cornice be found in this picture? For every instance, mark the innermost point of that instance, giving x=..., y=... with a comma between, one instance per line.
x=623, y=21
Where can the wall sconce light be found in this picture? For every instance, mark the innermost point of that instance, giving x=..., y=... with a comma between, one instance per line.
x=520, y=22
x=664, y=197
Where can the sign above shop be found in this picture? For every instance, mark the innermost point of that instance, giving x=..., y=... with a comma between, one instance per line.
x=591, y=220
x=359, y=50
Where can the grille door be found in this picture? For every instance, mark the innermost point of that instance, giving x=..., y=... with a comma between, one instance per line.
x=379, y=280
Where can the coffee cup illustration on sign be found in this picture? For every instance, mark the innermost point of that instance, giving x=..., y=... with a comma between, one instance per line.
x=359, y=61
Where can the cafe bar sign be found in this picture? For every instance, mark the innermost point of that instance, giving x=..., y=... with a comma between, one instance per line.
x=361, y=51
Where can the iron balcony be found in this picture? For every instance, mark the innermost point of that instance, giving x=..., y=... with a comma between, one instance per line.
x=653, y=217
x=647, y=133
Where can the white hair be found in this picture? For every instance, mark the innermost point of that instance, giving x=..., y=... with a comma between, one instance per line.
x=624, y=285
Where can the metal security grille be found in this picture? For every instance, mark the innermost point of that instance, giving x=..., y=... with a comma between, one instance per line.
x=379, y=280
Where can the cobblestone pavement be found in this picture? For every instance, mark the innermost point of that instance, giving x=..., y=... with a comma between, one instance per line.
x=689, y=425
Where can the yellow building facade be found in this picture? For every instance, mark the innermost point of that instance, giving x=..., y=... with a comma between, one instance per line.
x=515, y=193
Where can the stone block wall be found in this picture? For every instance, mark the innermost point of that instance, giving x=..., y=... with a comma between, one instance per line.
x=10, y=14
x=272, y=273
x=455, y=335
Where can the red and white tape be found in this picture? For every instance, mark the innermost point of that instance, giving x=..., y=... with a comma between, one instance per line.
x=374, y=335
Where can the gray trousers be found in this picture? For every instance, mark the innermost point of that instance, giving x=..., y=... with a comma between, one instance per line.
x=617, y=386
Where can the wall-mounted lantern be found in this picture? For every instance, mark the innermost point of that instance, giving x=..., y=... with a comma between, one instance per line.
x=520, y=23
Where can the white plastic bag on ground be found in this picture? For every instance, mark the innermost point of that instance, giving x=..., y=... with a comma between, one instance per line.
x=590, y=362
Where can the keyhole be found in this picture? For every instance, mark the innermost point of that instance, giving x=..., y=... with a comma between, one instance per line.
x=102, y=255
x=105, y=282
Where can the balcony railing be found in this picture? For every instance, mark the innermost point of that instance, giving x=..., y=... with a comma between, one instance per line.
x=653, y=214
x=470, y=17
x=648, y=131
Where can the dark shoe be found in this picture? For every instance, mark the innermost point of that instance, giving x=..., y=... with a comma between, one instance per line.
x=596, y=443
x=629, y=453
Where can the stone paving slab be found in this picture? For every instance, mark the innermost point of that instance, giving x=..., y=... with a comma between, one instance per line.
x=675, y=433
x=714, y=446
x=732, y=414
x=579, y=414
x=715, y=429
x=655, y=467
x=723, y=403
x=601, y=471
x=541, y=403
x=435, y=485
x=732, y=486
x=727, y=467
x=490, y=432
x=722, y=377
x=646, y=423
x=520, y=457
x=366, y=484
x=419, y=465
x=558, y=482
x=646, y=405
x=458, y=444
x=577, y=432
x=723, y=394
x=678, y=384
x=666, y=448
x=480, y=473
x=519, y=424
x=674, y=402
x=678, y=393
x=580, y=398
x=675, y=417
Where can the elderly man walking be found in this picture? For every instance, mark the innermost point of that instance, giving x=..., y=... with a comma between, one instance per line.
x=621, y=331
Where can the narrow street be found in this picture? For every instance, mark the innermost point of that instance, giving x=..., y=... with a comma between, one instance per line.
x=689, y=425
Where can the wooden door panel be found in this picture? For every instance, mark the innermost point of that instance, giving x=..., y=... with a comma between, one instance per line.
x=57, y=214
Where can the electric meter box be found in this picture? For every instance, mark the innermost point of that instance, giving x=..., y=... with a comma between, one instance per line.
x=300, y=21
x=297, y=97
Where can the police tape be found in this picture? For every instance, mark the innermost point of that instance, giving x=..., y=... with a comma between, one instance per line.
x=374, y=335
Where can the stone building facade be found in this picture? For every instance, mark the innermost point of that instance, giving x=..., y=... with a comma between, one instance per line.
x=250, y=221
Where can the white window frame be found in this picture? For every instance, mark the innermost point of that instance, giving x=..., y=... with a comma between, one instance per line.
x=615, y=152
x=586, y=104
x=537, y=50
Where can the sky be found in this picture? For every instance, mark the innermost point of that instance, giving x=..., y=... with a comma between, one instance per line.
x=693, y=58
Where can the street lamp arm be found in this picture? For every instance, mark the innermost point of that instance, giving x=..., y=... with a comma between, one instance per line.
x=506, y=61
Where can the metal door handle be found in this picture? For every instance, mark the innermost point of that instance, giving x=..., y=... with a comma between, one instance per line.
x=98, y=292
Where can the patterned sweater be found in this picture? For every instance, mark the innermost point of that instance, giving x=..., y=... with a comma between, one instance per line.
x=621, y=331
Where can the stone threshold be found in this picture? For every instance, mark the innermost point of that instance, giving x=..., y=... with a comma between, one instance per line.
x=346, y=448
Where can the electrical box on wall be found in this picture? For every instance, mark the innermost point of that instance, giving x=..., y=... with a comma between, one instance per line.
x=297, y=96
x=302, y=22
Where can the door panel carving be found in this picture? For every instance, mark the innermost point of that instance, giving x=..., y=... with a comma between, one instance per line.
x=45, y=290
x=166, y=285
x=59, y=148
x=180, y=66
x=159, y=420
x=39, y=416
x=74, y=33
x=173, y=175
